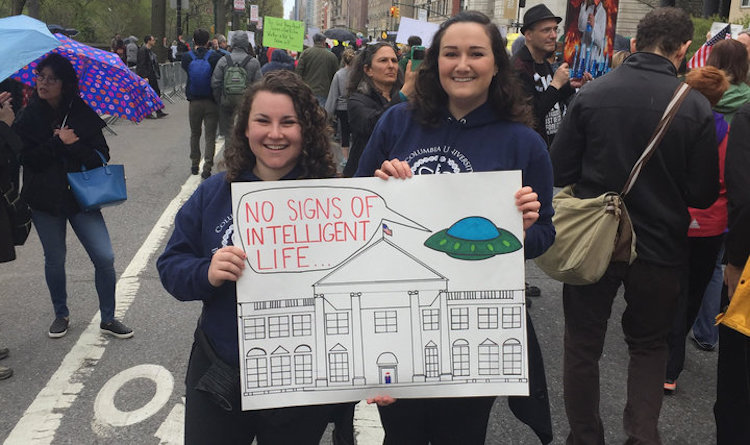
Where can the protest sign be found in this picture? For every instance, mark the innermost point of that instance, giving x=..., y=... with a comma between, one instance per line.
x=284, y=34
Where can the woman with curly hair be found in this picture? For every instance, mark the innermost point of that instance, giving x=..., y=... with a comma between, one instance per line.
x=468, y=115
x=281, y=134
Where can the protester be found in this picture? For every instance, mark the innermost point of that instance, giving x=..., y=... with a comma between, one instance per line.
x=618, y=57
x=317, y=65
x=199, y=65
x=484, y=123
x=376, y=84
x=412, y=41
x=148, y=67
x=732, y=408
x=10, y=148
x=595, y=149
x=60, y=134
x=182, y=48
x=221, y=44
x=239, y=66
x=705, y=234
x=131, y=51
x=731, y=56
x=280, y=60
x=200, y=263
x=337, y=99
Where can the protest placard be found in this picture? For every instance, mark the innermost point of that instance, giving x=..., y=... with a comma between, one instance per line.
x=284, y=34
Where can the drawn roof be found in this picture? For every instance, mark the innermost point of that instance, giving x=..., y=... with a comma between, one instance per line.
x=382, y=261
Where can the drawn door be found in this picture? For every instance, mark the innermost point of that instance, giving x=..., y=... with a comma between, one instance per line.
x=388, y=374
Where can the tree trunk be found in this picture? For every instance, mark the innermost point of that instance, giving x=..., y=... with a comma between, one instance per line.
x=221, y=17
x=33, y=8
x=158, y=28
x=18, y=6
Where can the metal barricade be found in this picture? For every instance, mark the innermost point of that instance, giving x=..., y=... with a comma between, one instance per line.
x=166, y=81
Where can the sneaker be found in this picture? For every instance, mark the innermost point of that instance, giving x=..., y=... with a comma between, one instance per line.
x=193, y=170
x=115, y=328
x=206, y=174
x=59, y=327
x=150, y=116
x=4, y=353
x=5, y=372
x=532, y=291
x=160, y=114
x=670, y=386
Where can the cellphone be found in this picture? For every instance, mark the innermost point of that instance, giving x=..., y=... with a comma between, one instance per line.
x=416, y=56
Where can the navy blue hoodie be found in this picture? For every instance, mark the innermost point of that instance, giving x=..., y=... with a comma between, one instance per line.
x=478, y=142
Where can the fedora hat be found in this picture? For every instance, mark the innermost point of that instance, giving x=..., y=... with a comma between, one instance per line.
x=537, y=14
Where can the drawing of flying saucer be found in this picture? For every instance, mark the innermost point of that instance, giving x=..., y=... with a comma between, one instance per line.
x=473, y=238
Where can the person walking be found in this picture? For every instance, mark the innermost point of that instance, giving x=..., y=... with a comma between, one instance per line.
x=317, y=65
x=336, y=104
x=203, y=110
x=233, y=73
x=148, y=67
x=595, y=149
x=280, y=60
x=131, y=51
x=60, y=133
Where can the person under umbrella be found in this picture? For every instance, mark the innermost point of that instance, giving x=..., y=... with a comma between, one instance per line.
x=60, y=133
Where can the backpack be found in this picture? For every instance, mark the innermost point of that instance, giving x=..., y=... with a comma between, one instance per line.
x=235, y=81
x=199, y=73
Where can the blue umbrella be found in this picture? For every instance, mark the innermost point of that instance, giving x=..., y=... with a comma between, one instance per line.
x=22, y=40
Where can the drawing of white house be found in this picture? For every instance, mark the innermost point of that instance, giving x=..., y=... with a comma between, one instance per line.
x=383, y=317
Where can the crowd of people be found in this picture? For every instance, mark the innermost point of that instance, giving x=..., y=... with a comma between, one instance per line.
x=690, y=207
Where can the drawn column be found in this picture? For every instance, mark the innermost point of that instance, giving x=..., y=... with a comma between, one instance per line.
x=416, y=338
x=446, y=371
x=321, y=378
x=358, y=346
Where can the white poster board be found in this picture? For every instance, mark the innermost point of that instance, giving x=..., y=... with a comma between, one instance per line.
x=362, y=287
x=411, y=27
x=250, y=37
x=311, y=31
x=718, y=26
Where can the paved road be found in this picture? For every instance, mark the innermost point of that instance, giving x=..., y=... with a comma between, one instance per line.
x=85, y=389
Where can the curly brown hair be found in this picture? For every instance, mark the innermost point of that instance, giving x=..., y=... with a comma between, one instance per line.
x=316, y=160
x=505, y=93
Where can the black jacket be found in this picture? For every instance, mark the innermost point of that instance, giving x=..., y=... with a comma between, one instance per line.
x=46, y=160
x=737, y=178
x=365, y=106
x=543, y=101
x=10, y=147
x=146, y=66
x=606, y=129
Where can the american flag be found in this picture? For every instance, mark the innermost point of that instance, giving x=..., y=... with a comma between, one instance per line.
x=699, y=58
x=387, y=230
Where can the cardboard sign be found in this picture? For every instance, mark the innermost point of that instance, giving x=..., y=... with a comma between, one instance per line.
x=284, y=34
x=410, y=27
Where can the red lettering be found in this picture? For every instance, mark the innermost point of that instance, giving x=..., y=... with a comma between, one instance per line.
x=367, y=200
x=301, y=257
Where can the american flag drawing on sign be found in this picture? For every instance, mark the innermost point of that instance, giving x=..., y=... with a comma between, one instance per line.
x=699, y=58
x=387, y=230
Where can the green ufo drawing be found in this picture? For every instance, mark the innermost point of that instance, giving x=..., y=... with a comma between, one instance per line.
x=473, y=238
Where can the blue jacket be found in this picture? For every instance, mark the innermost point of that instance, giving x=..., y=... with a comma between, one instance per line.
x=202, y=226
x=478, y=142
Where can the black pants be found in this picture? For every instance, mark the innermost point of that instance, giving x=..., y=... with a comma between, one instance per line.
x=651, y=293
x=702, y=260
x=208, y=423
x=154, y=82
x=447, y=421
x=732, y=408
x=343, y=117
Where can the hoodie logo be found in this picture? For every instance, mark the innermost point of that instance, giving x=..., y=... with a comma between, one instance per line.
x=438, y=160
x=227, y=226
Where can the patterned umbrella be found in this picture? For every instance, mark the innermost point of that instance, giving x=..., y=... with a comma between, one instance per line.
x=107, y=85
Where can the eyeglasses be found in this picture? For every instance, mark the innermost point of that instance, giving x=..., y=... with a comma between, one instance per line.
x=548, y=30
x=41, y=78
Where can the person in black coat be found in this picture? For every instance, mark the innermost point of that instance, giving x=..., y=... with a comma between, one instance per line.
x=60, y=133
x=376, y=85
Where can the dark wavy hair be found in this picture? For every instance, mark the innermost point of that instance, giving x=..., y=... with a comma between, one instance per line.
x=664, y=29
x=363, y=59
x=505, y=94
x=316, y=160
x=63, y=70
x=730, y=56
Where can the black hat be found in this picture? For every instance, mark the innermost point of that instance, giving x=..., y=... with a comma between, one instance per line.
x=537, y=14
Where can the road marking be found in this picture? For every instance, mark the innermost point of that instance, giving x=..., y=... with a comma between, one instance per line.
x=108, y=415
x=42, y=418
x=172, y=431
x=367, y=428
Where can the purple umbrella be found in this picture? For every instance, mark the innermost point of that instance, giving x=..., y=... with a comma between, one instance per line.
x=106, y=84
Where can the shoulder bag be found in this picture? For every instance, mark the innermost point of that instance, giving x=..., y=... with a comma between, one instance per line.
x=593, y=232
x=99, y=187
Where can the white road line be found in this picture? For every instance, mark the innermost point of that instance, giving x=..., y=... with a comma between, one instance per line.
x=43, y=417
x=367, y=428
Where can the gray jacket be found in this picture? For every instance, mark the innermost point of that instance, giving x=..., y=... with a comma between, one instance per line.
x=337, y=94
x=238, y=55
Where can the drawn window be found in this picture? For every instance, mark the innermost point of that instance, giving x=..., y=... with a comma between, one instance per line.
x=338, y=364
x=489, y=358
x=255, y=328
x=512, y=357
x=301, y=325
x=257, y=372
x=511, y=317
x=459, y=318
x=487, y=317
x=385, y=321
x=430, y=319
x=278, y=326
x=431, y=363
x=337, y=323
x=461, y=364
x=281, y=370
x=303, y=373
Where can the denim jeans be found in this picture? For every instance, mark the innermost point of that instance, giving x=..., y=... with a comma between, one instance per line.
x=92, y=232
x=704, y=328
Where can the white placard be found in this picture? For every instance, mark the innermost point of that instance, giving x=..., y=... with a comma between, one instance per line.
x=718, y=26
x=311, y=31
x=239, y=5
x=250, y=37
x=362, y=287
x=253, y=13
x=410, y=27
